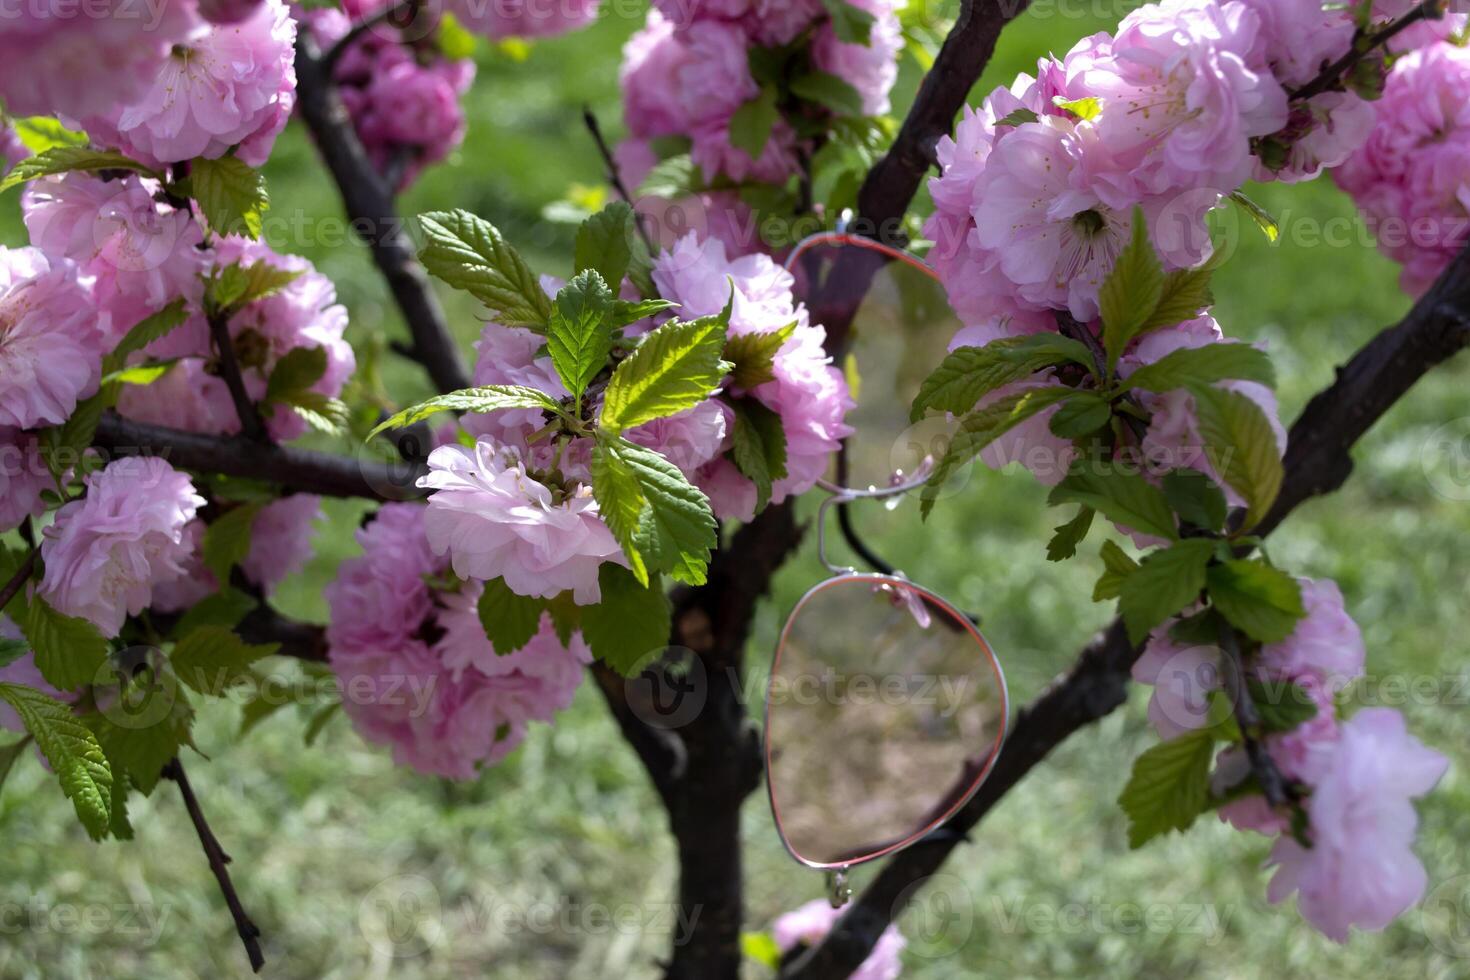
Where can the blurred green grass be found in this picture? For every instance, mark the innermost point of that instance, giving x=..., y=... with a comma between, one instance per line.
x=520, y=867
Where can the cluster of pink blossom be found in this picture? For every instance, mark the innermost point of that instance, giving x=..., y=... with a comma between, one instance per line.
x=418, y=673
x=1411, y=178
x=107, y=551
x=51, y=338
x=809, y=924
x=403, y=98
x=22, y=671
x=1353, y=865
x=687, y=72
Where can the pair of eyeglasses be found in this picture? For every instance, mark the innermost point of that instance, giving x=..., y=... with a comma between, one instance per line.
x=886, y=708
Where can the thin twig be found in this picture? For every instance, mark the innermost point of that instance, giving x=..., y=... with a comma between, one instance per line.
x=613, y=176
x=19, y=578
x=389, y=14
x=1331, y=76
x=251, y=424
x=1248, y=719
x=218, y=863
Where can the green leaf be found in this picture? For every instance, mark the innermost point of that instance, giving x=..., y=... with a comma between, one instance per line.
x=1263, y=218
x=1165, y=582
x=1186, y=294
x=322, y=412
x=237, y=286
x=676, y=367
x=630, y=623
x=675, y=528
x=566, y=616
x=982, y=427
x=510, y=620
x=72, y=750
x=761, y=947
x=759, y=447
x=1132, y=290
x=42, y=133
x=319, y=722
x=850, y=23
x=227, y=541
x=1169, y=786
x=1281, y=705
x=490, y=398
x=12, y=650
x=1119, y=494
x=1258, y=599
x=1084, y=109
x=64, y=444
x=605, y=243
x=968, y=374
x=8, y=756
x=296, y=371
x=580, y=336
x=1192, y=366
x=1117, y=567
x=146, y=726
x=625, y=312
x=1241, y=445
x=1064, y=542
x=754, y=356
x=212, y=659
x=145, y=332
x=231, y=195
x=455, y=43
x=1082, y=415
x=1196, y=499
x=224, y=608
x=1018, y=117
x=64, y=159
x=69, y=651
x=828, y=90
x=751, y=125
x=140, y=374
x=468, y=253
x=676, y=177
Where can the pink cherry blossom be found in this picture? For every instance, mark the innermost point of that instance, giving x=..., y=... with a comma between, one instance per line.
x=23, y=475
x=21, y=671
x=870, y=68
x=380, y=599
x=51, y=339
x=1183, y=676
x=494, y=520
x=556, y=667
x=652, y=60
x=690, y=439
x=1298, y=37
x=227, y=86
x=1326, y=645
x=280, y=539
x=228, y=11
x=810, y=923
x=1360, y=870
x=107, y=550
x=64, y=58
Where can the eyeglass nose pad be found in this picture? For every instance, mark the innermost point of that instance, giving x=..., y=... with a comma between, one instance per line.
x=839, y=892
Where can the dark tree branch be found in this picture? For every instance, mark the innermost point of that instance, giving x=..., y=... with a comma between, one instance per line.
x=302, y=470
x=1248, y=719
x=1330, y=78
x=368, y=199
x=218, y=863
x=399, y=15
x=251, y=425
x=1317, y=461
x=18, y=580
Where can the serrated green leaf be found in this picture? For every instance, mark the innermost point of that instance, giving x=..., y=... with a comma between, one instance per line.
x=566, y=616
x=828, y=90
x=1192, y=366
x=42, y=133
x=224, y=608
x=227, y=541
x=510, y=620
x=676, y=367
x=64, y=159
x=69, y=651
x=322, y=412
x=605, y=243
x=759, y=449
x=676, y=528
x=145, y=332
x=468, y=253
x=1196, y=499
x=1258, y=599
x=146, y=726
x=1018, y=117
x=141, y=375
x=1131, y=291
x=212, y=659
x=1082, y=415
x=631, y=622
x=1119, y=494
x=676, y=177
x=1165, y=582
x=231, y=195
x=625, y=312
x=297, y=370
x=1281, y=705
x=968, y=374
x=237, y=286
x=1186, y=295
x=1264, y=219
x=1241, y=445
x=751, y=125
x=1068, y=536
x=620, y=502
x=982, y=427
x=851, y=24
x=12, y=650
x=8, y=756
x=1117, y=567
x=754, y=356
x=1083, y=109
x=73, y=752
x=1169, y=786
x=580, y=336
x=490, y=398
